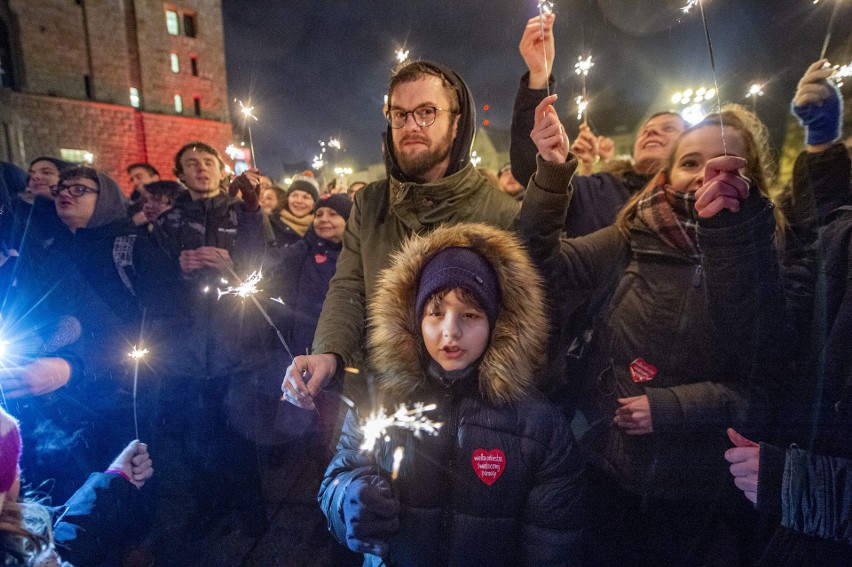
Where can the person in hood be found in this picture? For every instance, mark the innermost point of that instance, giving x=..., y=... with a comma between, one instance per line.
x=458, y=321
x=431, y=182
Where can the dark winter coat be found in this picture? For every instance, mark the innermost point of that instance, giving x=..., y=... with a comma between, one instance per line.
x=596, y=198
x=387, y=212
x=304, y=271
x=211, y=336
x=530, y=514
x=811, y=489
x=284, y=234
x=651, y=301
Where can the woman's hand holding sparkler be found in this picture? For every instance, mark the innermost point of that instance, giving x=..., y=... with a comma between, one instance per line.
x=538, y=51
x=42, y=376
x=548, y=134
x=371, y=512
x=247, y=186
x=724, y=186
x=306, y=377
x=134, y=463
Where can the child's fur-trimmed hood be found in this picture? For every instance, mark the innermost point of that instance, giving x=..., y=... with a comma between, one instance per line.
x=518, y=342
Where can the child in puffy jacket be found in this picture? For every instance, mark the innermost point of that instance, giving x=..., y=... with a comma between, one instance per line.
x=459, y=322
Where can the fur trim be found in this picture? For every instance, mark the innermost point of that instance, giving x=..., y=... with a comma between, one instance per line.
x=518, y=341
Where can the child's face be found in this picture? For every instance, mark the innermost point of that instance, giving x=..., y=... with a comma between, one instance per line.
x=694, y=150
x=455, y=333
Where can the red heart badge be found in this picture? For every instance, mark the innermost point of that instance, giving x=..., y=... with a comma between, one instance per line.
x=488, y=465
x=320, y=258
x=642, y=371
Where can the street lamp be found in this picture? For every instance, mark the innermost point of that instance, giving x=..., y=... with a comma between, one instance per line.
x=692, y=100
x=754, y=91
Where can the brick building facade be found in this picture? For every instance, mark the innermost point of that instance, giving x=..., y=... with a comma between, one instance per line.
x=122, y=80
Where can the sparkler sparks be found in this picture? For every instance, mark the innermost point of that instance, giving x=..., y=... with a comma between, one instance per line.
x=401, y=55
x=545, y=7
x=398, y=455
x=582, y=105
x=841, y=72
x=137, y=354
x=248, y=112
x=689, y=6
x=245, y=289
x=377, y=424
x=583, y=65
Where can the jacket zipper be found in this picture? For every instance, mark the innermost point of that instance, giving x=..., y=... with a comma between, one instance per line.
x=447, y=513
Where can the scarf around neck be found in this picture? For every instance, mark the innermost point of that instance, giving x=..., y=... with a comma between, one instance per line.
x=671, y=216
x=299, y=224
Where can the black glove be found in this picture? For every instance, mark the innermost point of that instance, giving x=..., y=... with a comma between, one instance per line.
x=372, y=515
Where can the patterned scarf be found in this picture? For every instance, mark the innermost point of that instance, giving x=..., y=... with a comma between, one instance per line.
x=299, y=224
x=671, y=216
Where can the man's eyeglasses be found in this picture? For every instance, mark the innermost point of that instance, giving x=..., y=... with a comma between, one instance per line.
x=75, y=190
x=423, y=116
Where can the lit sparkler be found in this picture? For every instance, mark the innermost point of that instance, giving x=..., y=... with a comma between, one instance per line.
x=246, y=288
x=689, y=5
x=545, y=8
x=582, y=105
x=248, y=113
x=582, y=68
x=377, y=424
x=137, y=355
x=401, y=55
x=398, y=455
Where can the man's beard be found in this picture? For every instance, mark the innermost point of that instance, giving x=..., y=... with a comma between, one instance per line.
x=418, y=165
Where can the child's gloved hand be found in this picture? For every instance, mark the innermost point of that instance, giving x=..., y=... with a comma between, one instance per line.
x=372, y=514
x=818, y=105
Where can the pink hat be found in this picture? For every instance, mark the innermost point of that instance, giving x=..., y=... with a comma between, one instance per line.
x=10, y=453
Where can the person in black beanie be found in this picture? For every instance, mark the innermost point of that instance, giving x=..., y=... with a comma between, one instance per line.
x=431, y=121
x=291, y=222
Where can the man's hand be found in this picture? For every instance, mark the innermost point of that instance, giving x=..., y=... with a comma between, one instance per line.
x=135, y=462
x=247, y=185
x=532, y=49
x=745, y=463
x=724, y=186
x=634, y=416
x=548, y=134
x=306, y=377
x=189, y=261
x=216, y=258
x=42, y=376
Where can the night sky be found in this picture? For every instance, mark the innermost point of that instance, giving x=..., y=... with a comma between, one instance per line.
x=316, y=70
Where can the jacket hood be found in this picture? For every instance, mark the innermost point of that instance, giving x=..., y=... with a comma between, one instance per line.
x=516, y=350
x=460, y=152
x=111, y=204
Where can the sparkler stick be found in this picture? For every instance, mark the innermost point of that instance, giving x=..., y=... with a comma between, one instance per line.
x=544, y=8
x=713, y=68
x=136, y=354
x=248, y=112
x=830, y=28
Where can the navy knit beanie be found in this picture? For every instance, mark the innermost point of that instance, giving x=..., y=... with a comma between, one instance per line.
x=456, y=267
x=305, y=186
x=340, y=203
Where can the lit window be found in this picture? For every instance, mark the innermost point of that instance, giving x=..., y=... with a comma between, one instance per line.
x=175, y=63
x=134, y=97
x=76, y=156
x=178, y=104
x=172, y=22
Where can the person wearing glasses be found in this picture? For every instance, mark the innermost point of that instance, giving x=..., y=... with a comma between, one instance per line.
x=431, y=122
x=69, y=376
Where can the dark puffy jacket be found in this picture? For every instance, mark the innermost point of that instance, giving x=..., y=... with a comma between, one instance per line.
x=811, y=490
x=530, y=514
x=654, y=302
x=304, y=270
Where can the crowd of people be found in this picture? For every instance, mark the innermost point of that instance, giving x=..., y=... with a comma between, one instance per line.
x=608, y=362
